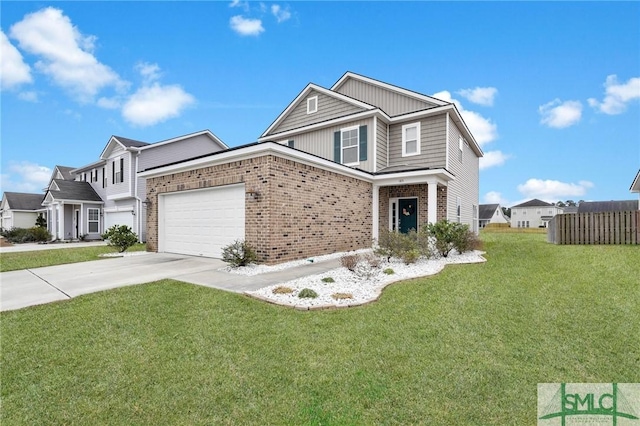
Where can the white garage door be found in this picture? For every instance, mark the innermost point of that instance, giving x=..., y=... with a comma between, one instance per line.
x=118, y=218
x=201, y=222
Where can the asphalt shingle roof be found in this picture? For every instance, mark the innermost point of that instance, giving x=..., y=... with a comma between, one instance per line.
x=130, y=142
x=74, y=190
x=607, y=206
x=24, y=201
x=534, y=203
x=486, y=211
x=66, y=172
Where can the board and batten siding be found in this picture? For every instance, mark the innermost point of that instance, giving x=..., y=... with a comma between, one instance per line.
x=390, y=102
x=328, y=108
x=467, y=178
x=382, y=137
x=433, y=131
x=118, y=189
x=320, y=142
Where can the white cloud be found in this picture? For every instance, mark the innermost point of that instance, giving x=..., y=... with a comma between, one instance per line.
x=280, y=14
x=483, y=130
x=242, y=4
x=149, y=72
x=13, y=70
x=65, y=54
x=245, y=26
x=25, y=177
x=29, y=96
x=558, y=114
x=617, y=95
x=480, y=95
x=553, y=190
x=494, y=197
x=493, y=159
x=109, y=103
x=156, y=103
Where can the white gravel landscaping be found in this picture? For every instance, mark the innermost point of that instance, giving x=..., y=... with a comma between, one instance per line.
x=364, y=285
x=125, y=254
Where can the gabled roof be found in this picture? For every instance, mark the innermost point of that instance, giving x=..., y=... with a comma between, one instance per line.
x=73, y=191
x=351, y=75
x=534, y=203
x=123, y=142
x=635, y=185
x=607, y=206
x=23, y=201
x=486, y=211
x=205, y=132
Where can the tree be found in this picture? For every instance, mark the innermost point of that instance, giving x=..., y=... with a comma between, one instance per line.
x=41, y=222
x=561, y=204
x=506, y=211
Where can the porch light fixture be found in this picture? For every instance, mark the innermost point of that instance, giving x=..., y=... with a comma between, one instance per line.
x=147, y=202
x=253, y=193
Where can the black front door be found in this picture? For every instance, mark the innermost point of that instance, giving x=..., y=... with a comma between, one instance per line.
x=408, y=214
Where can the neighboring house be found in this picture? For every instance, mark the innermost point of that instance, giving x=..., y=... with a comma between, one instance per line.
x=108, y=192
x=491, y=213
x=607, y=206
x=20, y=210
x=533, y=214
x=335, y=168
x=635, y=187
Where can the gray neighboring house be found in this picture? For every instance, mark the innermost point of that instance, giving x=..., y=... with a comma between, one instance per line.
x=635, y=187
x=20, y=210
x=85, y=201
x=608, y=206
x=491, y=213
x=533, y=214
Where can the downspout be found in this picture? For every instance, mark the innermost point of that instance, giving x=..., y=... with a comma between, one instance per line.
x=137, y=209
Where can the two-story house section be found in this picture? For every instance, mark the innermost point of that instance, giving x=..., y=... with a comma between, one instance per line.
x=114, y=176
x=533, y=214
x=424, y=157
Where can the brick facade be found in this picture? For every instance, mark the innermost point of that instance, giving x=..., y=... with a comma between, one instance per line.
x=302, y=211
x=411, y=191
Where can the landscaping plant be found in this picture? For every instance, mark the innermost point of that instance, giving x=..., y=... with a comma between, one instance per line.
x=120, y=236
x=448, y=235
x=239, y=253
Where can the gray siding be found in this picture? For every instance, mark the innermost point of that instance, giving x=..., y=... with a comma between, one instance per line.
x=328, y=108
x=433, y=132
x=320, y=142
x=467, y=179
x=393, y=103
x=382, y=140
x=122, y=188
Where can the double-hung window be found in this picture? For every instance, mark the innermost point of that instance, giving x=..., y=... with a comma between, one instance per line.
x=350, y=145
x=93, y=220
x=104, y=177
x=411, y=139
x=117, y=175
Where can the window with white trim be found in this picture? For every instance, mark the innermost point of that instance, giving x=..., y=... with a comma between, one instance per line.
x=349, y=145
x=93, y=220
x=411, y=139
x=460, y=148
x=104, y=177
x=312, y=105
x=117, y=175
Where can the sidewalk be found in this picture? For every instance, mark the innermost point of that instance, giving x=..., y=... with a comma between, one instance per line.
x=49, y=246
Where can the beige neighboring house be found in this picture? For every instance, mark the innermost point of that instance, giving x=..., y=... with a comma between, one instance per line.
x=20, y=210
x=533, y=214
x=491, y=213
x=635, y=187
x=334, y=169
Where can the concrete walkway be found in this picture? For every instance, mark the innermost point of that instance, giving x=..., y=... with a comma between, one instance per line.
x=19, y=289
x=49, y=246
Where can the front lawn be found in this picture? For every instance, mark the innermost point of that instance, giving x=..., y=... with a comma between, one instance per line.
x=35, y=259
x=466, y=346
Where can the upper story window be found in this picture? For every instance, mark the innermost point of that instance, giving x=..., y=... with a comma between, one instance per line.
x=117, y=171
x=104, y=177
x=411, y=139
x=312, y=105
x=349, y=145
x=460, y=148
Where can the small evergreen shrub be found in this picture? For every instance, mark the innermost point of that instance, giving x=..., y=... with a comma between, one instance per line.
x=389, y=271
x=26, y=235
x=467, y=241
x=239, y=253
x=307, y=293
x=328, y=280
x=410, y=256
x=446, y=235
x=342, y=296
x=41, y=222
x=120, y=236
x=350, y=261
x=282, y=290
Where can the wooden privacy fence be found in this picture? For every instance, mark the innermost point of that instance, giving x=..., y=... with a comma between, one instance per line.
x=595, y=228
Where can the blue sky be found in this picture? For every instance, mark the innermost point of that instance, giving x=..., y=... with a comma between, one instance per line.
x=550, y=90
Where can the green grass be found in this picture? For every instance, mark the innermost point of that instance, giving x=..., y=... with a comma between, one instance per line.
x=466, y=347
x=36, y=259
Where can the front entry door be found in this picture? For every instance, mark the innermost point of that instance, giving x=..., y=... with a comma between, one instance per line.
x=76, y=219
x=408, y=214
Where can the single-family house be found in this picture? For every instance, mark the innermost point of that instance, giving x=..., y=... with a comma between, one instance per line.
x=333, y=170
x=533, y=214
x=635, y=187
x=20, y=210
x=107, y=192
x=491, y=213
x=607, y=206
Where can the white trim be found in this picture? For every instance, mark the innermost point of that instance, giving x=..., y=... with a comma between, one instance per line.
x=432, y=202
x=90, y=221
x=375, y=144
x=118, y=209
x=314, y=100
x=405, y=127
x=357, y=145
x=446, y=160
x=183, y=137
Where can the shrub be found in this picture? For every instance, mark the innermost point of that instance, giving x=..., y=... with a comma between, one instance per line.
x=372, y=259
x=446, y=234
x=307, y=293
x=408, y=247
x=39, y=234
x=282, y=290
x=328, y=280
x=41, y=222
x=239, y=253
x=389, y=271
x=342, y=296
x=121, y=237
x=467, y=241
x=410, y=256
x=350, y=261
x=26, y=235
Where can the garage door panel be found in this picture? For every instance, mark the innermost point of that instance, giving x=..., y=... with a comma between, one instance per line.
x=202, y=222
x=118, y=218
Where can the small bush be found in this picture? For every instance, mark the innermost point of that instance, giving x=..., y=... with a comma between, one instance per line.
x=409, y=247
x=328, y=280
x=26, y=235
x=239, y=253
x=120, y=236
x=410, y=256
x=372, y=259
x=307, y=293
x=467, y=241
x=389, y=271
x=350, y=261
x=282, y=290
x=342, y=296
x=41, y=222
x=446, y=234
